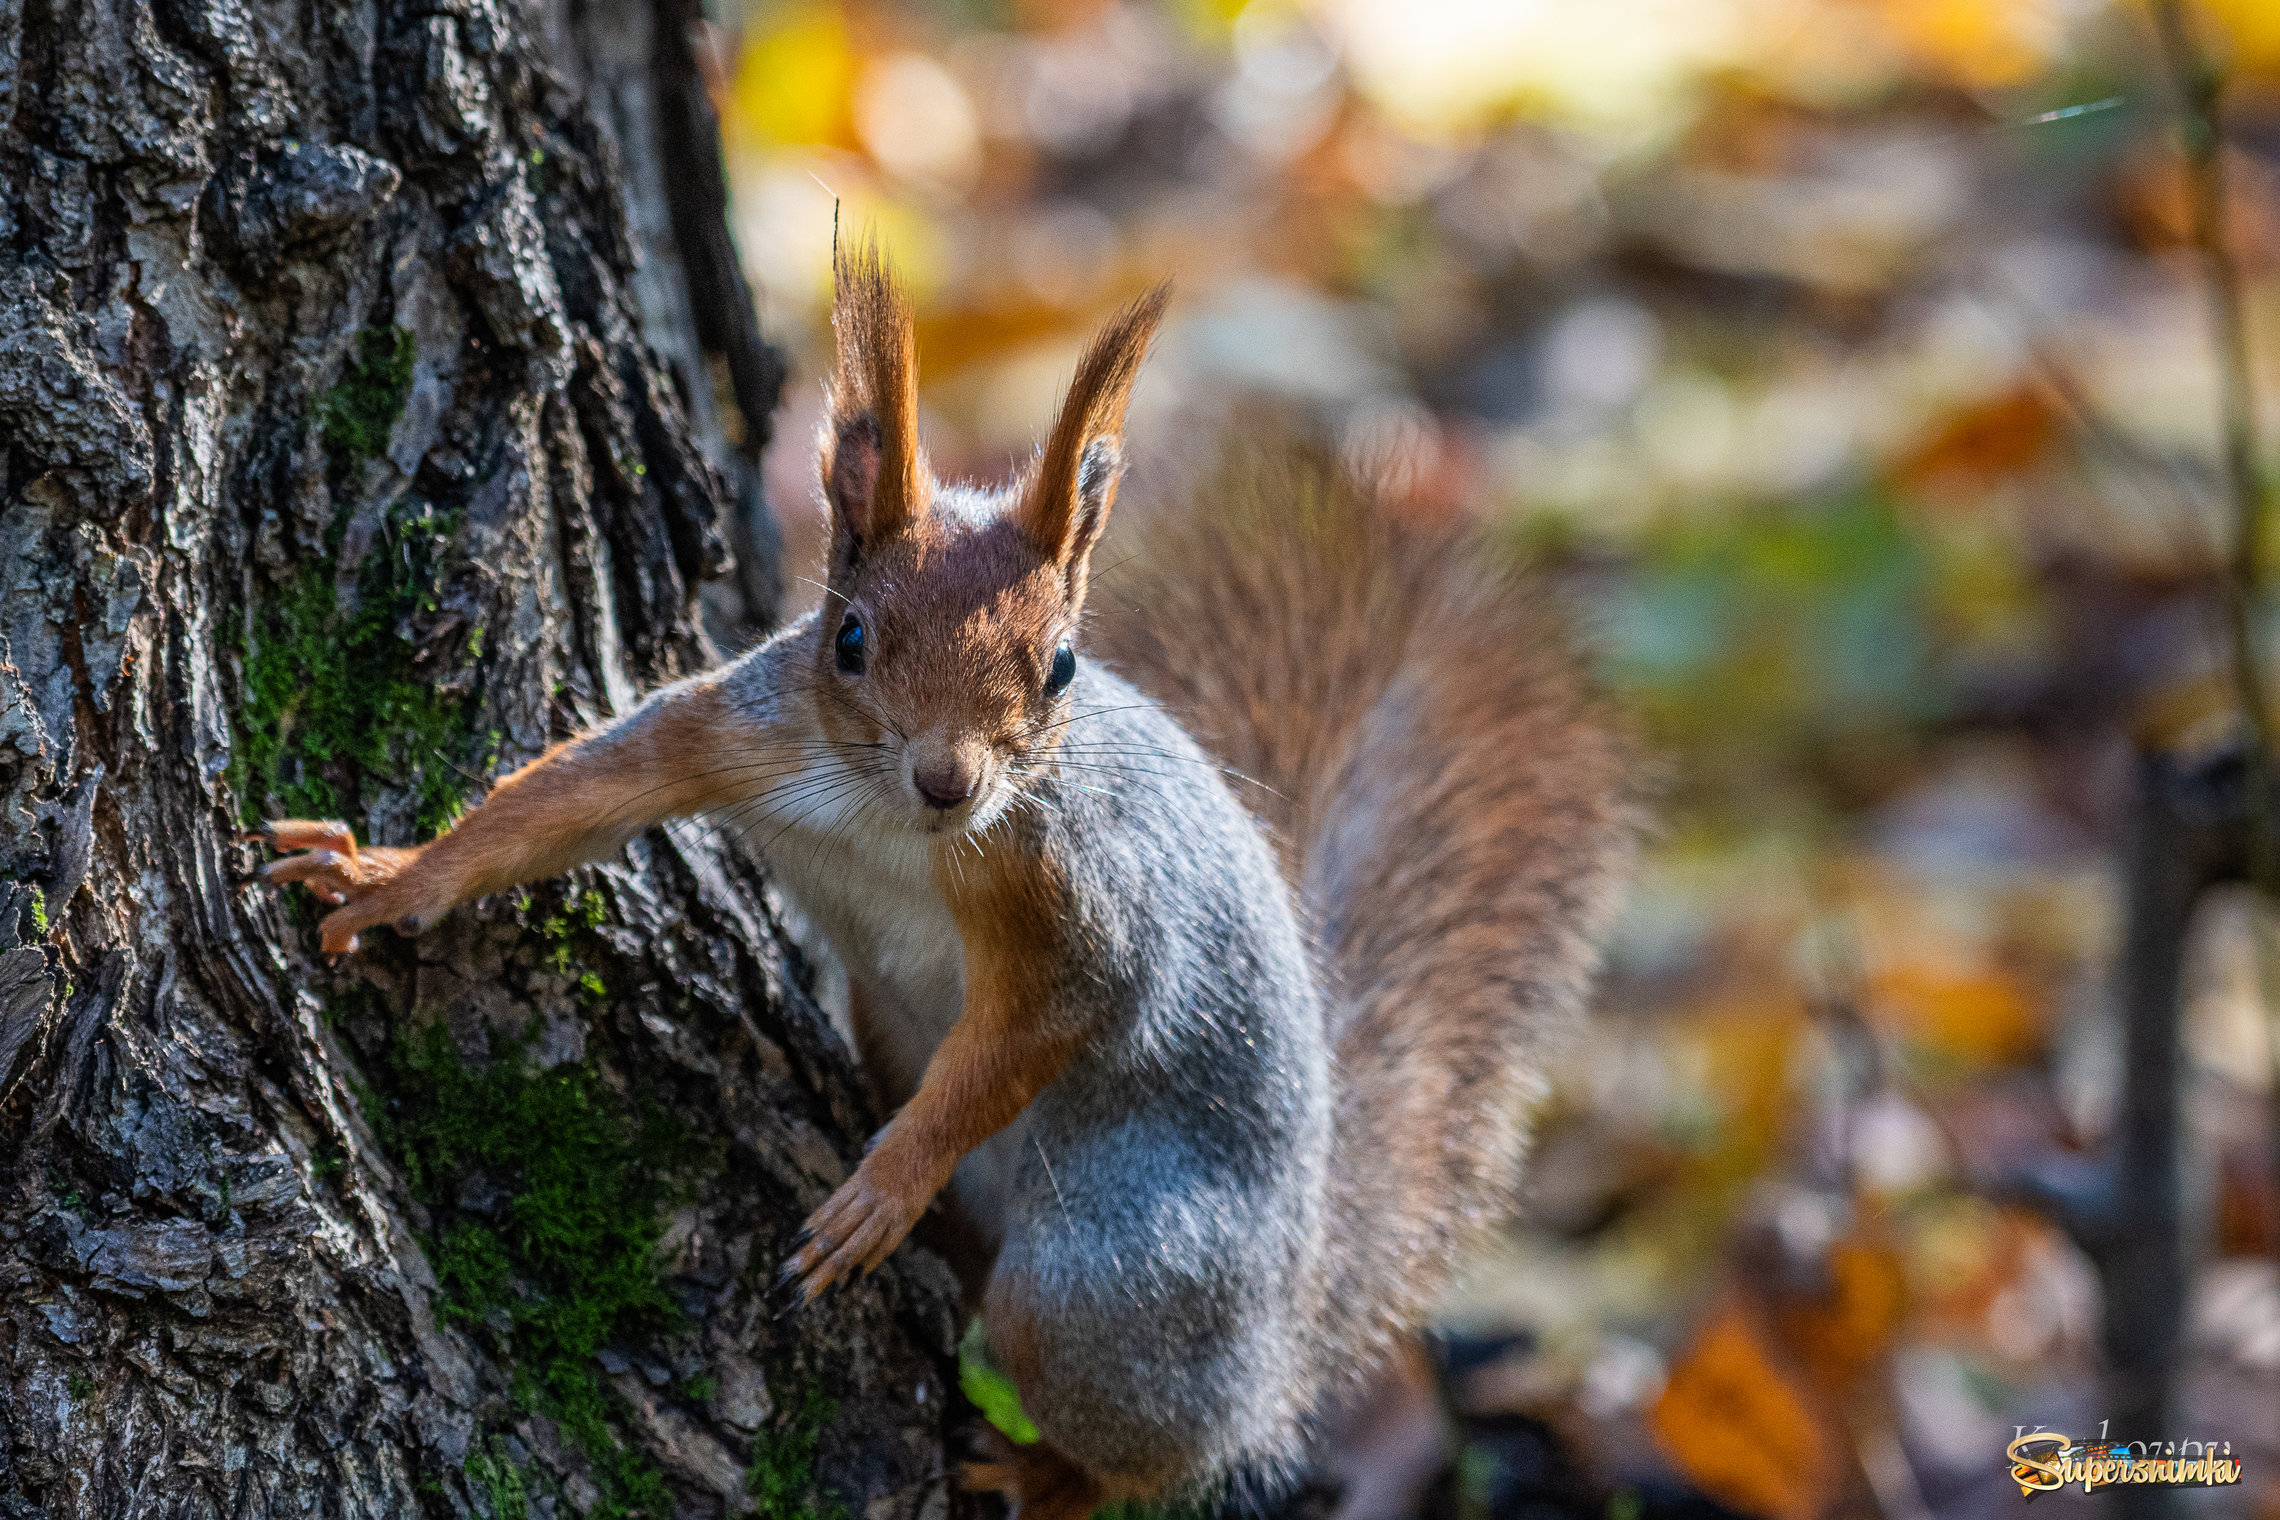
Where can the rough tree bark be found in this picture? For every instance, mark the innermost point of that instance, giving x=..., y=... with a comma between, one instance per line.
x=358, y=437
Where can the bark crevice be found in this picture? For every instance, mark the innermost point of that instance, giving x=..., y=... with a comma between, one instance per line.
x=348, y=454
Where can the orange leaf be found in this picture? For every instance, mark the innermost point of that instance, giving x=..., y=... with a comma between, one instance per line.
x=1988, y=1017
x=1740, y=1428
x=1995, y=438
x=1842, y=1331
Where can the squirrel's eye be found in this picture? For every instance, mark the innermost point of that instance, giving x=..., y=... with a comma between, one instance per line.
x=1064, y=670
x=847, y=649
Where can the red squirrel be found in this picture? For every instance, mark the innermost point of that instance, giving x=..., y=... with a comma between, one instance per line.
x=1216, y=1094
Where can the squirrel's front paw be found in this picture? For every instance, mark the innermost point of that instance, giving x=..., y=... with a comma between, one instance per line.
x=322, y=855
x=857, y=1227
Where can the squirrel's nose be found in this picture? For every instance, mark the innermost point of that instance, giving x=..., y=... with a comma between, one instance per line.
x=944, y=786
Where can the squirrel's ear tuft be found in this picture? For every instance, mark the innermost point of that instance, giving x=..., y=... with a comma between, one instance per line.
x=873, y=473
x=1065, y=503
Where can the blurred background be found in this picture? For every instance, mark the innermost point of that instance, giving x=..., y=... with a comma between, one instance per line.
x=1848, y=362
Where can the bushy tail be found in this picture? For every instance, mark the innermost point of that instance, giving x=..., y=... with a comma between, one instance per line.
x=1456, y=810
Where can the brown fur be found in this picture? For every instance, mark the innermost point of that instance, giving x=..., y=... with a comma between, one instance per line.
x=1000, y=1054
x=1061, y=510
x=870, y=447
x=573, y=803
x=1445, y=795
x=1450, y=800
x=961, y=614
x=1043, y=1484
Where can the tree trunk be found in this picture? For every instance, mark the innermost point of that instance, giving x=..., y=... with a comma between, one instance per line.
x=2190, y=829
x=358, y=438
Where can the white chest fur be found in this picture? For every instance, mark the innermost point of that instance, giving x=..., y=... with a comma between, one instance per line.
x=872, y=893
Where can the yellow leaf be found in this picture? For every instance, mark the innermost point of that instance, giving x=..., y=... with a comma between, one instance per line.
x=2250, y=33
x=1978, y=43
x=795, y=84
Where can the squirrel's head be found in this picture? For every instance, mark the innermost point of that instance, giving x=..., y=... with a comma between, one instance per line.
x=948, y=637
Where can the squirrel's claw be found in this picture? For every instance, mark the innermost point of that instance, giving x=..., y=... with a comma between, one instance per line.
x=310, y=834
x=339, y=928
x=323, y=870
x=323, y=853
x=857, y=1228
x=324, y=858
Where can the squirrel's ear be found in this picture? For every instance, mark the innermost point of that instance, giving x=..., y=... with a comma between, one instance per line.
x=1065, y=503
x=873, y=473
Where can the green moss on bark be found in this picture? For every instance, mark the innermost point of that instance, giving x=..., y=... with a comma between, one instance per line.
x=782, y=1479
x=572, y=945
x=495, y=1476
x=360, y=411
x=549, y=1200
x=335, y=697
x=335, y=700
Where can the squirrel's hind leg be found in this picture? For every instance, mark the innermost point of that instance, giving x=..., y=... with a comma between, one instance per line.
x=1038, y=1482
